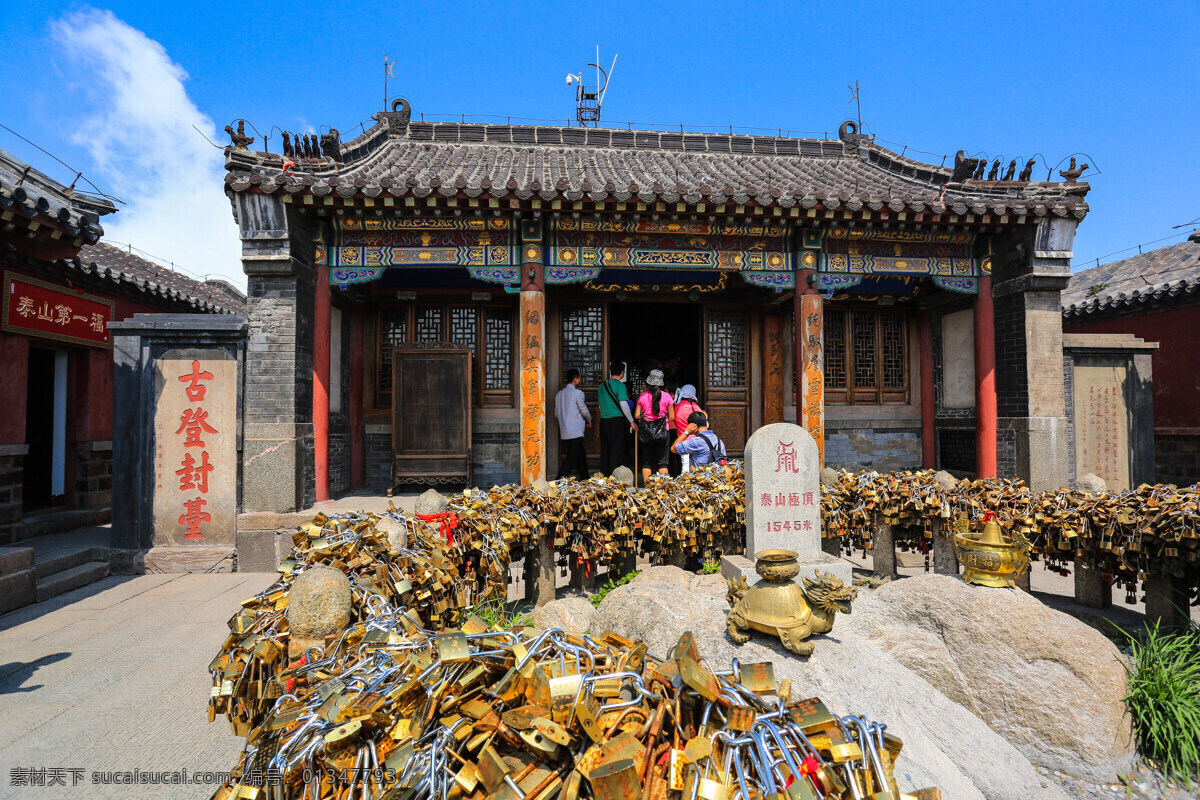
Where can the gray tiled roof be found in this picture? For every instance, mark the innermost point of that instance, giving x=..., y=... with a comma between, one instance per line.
x=120, y=266
x=26, y=191
x=598, y=164
x=1159, y=274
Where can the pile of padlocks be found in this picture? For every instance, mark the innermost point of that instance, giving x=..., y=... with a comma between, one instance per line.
x=431, y=577
x=397, y=711
x=1127, y=536
x=601, y=520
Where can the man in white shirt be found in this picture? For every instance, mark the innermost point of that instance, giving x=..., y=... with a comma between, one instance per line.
x=573, y=417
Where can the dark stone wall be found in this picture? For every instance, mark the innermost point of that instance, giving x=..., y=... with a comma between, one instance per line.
x=872, y=446
x=377, y=450
x=93, y=474
x=1177, y=458
x=11, y=496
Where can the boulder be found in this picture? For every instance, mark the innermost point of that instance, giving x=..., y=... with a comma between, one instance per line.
x=945, y=481
x=397, y=534
x=318, y=606
x=624, y=475
x=829, y=477
x=571, y=614
x=1091, y=482
x=431, y=502
x=945, y=745
x=1046, y=682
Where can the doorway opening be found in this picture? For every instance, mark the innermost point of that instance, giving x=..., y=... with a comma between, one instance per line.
x=45, y=430
x=665, y=336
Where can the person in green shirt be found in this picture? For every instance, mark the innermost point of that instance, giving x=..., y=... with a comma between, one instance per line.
x=616, y=420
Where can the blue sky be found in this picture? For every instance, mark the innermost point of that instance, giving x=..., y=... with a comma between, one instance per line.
x=114, y=89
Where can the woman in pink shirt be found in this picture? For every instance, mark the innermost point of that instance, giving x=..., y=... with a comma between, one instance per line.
x=655, y=415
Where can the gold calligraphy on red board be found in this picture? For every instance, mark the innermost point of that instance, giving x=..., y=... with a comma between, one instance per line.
x=811, y=406
x=193, y=472
x=533, y=387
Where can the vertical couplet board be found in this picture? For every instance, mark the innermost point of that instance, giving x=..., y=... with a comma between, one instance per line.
x=533, y=387
x=195, y=450
x=773, y=371
x=431, y=414
x=783, y=493
x=811, y=407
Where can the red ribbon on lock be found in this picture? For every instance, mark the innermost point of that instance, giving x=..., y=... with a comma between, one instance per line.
x=448, y=520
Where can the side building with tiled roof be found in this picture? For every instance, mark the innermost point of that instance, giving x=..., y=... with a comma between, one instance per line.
x=1156, y=297
x=62, y=287
x=882, y=303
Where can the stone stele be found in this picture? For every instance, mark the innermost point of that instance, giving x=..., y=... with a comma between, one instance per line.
x=783, y=502
x=195, y=451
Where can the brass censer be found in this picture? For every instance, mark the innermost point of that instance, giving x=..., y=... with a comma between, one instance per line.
x=779, y=606
x=988, y=558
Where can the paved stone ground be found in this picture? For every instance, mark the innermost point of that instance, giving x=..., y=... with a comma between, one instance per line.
x=113, y=677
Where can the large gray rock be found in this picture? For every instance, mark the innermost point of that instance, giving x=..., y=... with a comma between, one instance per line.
x=571, y=614
x=431, y=502
x=318, y=606
x=624, y=475
x=945, y=745
x=829, y=477
x=397, y=534
x=945, y=481
x=1049, y=684
x=1091, y=482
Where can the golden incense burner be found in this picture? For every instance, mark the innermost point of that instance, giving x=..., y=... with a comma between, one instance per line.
x=988, y=558
x=779, y=606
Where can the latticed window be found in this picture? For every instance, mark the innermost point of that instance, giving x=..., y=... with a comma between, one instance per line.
x=726, y=349
x=583, y=342
x=486, y=330
x=866, y=356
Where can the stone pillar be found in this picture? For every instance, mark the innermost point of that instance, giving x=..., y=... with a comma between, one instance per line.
x=147, y=452
x=1030, y=267
x=810, y=363
x=928, y=405
x=945, y=560
x=883, y=549
x=1166, y=601
x=277, y=256
x=320, y=381
x=985, y=381
x=1091, y=589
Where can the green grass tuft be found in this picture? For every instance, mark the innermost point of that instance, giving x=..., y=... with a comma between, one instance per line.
x=1164, y=698
x=609, y=585
x=710, y=567
x=496, y=613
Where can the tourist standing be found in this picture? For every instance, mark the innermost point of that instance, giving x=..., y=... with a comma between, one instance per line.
x=616, y=420
x=571, y=411
x=685, y=405
x=656, y=415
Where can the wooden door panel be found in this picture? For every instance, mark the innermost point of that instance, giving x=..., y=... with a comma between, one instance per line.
x=431, y=414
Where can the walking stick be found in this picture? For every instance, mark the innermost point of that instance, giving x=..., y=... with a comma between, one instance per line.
x=637, y=465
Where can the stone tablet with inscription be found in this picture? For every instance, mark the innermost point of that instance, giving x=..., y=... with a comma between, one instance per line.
x=783, y=492
x=195, y=450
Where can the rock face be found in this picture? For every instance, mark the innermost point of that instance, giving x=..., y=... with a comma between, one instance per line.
x=1091, y=482
x=318, y=606
x=397, y=534
x=624, y=475
x=829, y=477
x=431, y=502
x=945, y=745
x=571, y=614
x=945, y=481
x=1047, y=683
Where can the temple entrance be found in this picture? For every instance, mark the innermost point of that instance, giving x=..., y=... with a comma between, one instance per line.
x=665, y=336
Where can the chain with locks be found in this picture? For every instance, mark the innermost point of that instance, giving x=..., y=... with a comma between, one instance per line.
x=1126, y=536
x=474, y=713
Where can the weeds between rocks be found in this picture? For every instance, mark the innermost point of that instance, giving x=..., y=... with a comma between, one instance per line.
x=611, y=584
x=1164, y=698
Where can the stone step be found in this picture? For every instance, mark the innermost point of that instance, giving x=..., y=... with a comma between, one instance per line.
x=15, y=559
x=17, y=589
x=73, y=578
x=62, y=561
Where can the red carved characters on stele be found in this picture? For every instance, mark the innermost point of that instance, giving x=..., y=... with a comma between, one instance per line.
x=194, y=474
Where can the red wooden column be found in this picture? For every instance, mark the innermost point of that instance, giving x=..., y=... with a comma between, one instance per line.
x=357, y=346
x=928, y=407
x=321, y=316
x=985, y=381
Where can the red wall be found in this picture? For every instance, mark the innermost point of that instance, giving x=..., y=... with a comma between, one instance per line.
x=1176, y=362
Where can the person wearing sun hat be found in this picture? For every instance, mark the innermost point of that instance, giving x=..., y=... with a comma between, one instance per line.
x=655, y=415
x=685, y=405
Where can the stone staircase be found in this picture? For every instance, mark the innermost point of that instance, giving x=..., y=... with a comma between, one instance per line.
x=38, y=569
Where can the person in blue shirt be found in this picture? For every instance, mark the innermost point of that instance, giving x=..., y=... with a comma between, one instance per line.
x=703, y=445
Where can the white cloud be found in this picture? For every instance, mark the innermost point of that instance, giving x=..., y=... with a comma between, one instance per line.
x=138, y=129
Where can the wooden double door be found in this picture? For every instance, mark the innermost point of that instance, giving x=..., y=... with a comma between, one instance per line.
x=707, y=346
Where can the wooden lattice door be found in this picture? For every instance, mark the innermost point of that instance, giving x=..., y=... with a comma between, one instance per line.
x=431, y=413
x=726, y=371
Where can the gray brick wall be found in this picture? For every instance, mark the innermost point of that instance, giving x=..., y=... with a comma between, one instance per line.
x=93, y=475
x=1177, y=458
x=874, y=448
x=377, y=450
x=495, y=449
x=11, y=496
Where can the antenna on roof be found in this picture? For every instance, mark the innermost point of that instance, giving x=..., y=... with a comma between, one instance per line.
x=387, y=72
x=854, y=98
x=589, y=99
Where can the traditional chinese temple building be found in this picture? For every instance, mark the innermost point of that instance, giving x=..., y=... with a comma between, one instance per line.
x=62, y=287
x=907, y=314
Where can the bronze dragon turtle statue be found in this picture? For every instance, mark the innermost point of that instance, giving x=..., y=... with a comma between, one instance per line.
x=786, y=610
